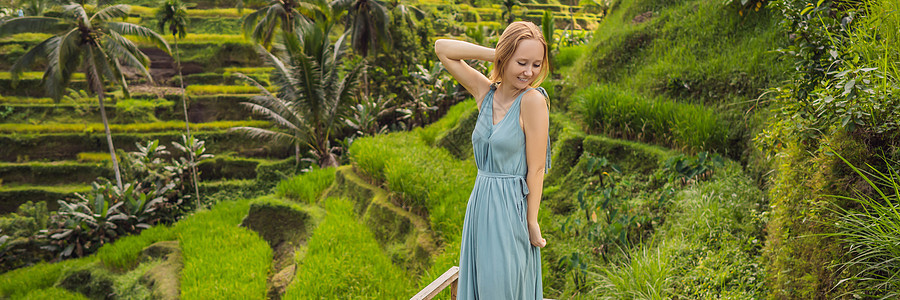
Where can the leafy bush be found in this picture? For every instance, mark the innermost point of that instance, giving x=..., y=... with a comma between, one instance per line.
x=306, y=187
x=845, y=80
x=156, y=194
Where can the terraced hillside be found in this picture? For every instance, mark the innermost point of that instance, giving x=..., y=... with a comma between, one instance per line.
x=44, y=141
x=658, y=187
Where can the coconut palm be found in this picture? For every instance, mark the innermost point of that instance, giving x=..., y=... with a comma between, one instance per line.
x=508, y=6
x=368, y=22
x=313, y=88
x=260, y=25
x=174, y=14
x=93, y=45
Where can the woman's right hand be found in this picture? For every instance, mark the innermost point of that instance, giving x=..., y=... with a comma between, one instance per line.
x=534, y=235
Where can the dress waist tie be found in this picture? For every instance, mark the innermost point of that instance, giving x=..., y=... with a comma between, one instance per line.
x=519, y=178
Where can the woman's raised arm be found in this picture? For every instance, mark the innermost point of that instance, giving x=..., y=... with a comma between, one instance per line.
x=453, y=52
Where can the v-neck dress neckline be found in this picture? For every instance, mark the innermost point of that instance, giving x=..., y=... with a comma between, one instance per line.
x=508, y=111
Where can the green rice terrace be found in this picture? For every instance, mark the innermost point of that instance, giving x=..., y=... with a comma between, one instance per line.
x=701, y=149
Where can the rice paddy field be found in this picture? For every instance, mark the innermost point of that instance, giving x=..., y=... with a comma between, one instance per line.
x=700, y=150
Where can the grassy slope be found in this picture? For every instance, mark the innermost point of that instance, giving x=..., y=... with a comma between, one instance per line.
x=690, y=52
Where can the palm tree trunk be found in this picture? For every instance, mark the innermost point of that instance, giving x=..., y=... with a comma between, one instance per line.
x=187, y=125
x=100, y=96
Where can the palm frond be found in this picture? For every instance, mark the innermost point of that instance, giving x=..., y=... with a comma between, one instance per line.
x=141, y=32
x=251, y=21
x=272, y=115
x=27, y=59
x=121, y=49
x=342, y=4
x=95, y=82
x=339, y=46
x=112, y=12
x=259, y=86
x=257, y=133
x=77, y=11
x=108, y=68
x=32, y=24
x=345, y=90
x=63, y=59
x=310, y=84
x=290, y=83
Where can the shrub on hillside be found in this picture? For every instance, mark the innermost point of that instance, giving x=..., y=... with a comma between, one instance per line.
x=158, y=192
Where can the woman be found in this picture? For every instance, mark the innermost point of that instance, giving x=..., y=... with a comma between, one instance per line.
x=501, y=239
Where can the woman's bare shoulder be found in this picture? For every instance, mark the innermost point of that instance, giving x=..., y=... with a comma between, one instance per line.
x=534, y=101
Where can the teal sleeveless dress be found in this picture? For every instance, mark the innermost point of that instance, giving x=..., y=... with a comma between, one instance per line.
x=497, y=260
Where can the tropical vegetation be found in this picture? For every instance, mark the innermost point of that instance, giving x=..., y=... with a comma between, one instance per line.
x=701, y=149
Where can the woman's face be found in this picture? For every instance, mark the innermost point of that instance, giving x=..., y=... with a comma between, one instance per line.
x=525, y=64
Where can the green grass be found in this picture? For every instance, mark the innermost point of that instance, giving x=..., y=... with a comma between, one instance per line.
x=125, y=252
x=617, y=111
x=93, y=157
x=434, y=130
x=63, y=189
x=18, y=283
x=426, y=178
x=694, y=51
x=344, y=261
x=53, y=293
x=871, y=232
x=306, y=187
x=225, y=89
x=222, y=260
x=708, y=247
x=150, y=12
x=125, y=128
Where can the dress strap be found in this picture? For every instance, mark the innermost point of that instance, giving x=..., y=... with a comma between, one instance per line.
x=543, y=92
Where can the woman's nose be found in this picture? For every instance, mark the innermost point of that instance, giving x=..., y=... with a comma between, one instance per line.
x=528, y=71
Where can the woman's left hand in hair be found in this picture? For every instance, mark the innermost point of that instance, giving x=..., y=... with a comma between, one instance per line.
x=534, y=234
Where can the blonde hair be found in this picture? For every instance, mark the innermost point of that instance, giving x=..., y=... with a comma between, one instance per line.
x=509, y=42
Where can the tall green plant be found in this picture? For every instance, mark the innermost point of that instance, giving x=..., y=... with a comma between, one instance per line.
x=174, y=13
x=508, y=6
x=547, y=29
x=872, y=233
x=368, y=22
x=94, y=45
x=284, y=15
x=312, y=88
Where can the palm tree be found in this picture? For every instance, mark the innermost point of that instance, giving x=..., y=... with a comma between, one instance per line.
x=174, y=13
x=312, y=90
x=368, y=22
x=93, y=45
x=260, y=25
x=508, y=12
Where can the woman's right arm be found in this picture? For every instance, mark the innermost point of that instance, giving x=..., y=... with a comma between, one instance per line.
x=453, y=52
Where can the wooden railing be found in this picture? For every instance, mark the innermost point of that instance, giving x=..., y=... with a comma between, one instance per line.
x=449, y=278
